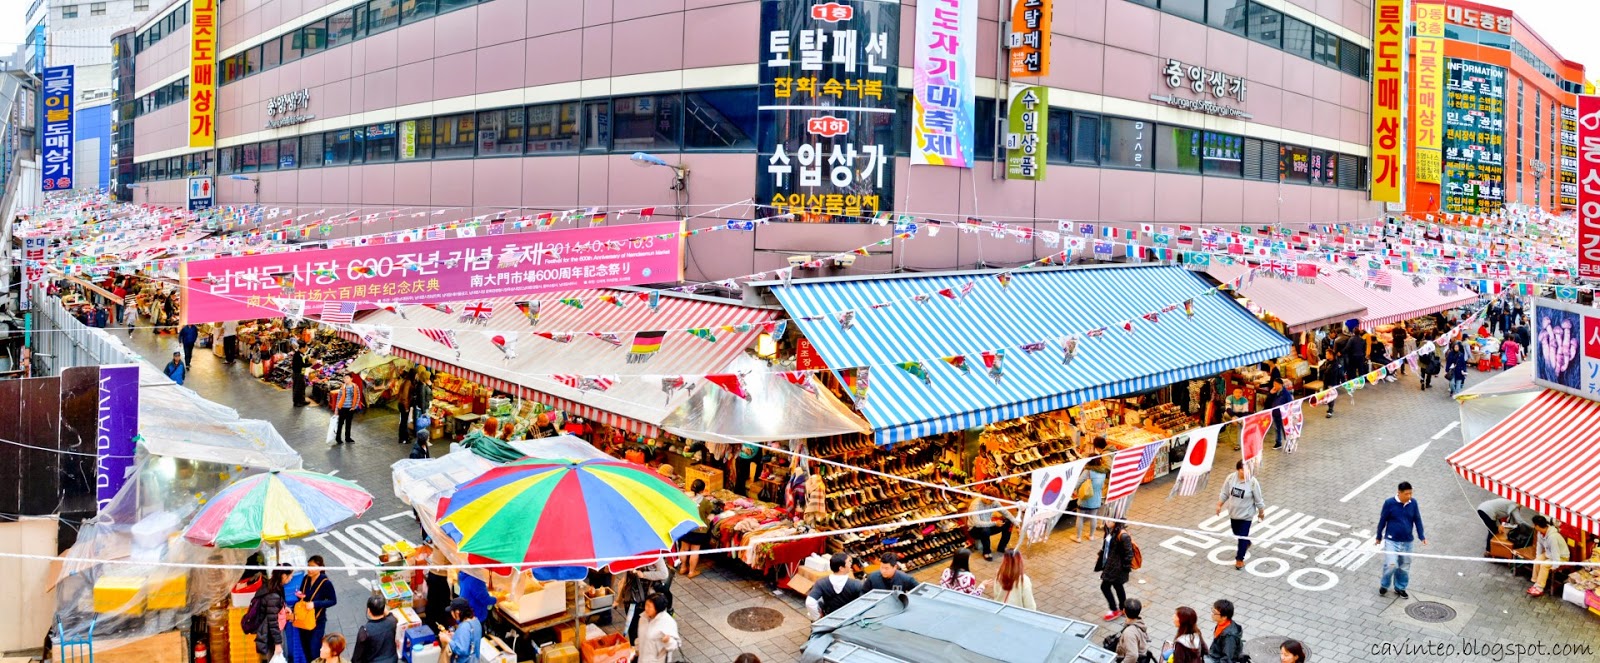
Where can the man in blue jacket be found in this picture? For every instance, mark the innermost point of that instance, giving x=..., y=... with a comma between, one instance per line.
x=1395, y=523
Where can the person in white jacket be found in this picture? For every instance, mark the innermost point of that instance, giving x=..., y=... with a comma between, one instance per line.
x=658, y=632
x=1551, y=552
x=1011, y=585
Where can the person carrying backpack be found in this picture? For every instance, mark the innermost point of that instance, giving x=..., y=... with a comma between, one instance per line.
x=1227, y=641
x=1132, y=643
x=267, y=616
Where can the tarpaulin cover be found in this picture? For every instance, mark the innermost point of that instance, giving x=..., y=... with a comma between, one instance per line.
x=776, y=410
x=1489, y=402
x=177, y=422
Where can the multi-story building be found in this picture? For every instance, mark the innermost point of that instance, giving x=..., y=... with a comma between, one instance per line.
x=1507, y=100
x=1168, y=112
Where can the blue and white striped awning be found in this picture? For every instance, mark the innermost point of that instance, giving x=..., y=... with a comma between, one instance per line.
x=1039, y=305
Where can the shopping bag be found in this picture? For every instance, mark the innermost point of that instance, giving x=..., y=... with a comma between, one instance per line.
x=278, y=658
x=333, y=428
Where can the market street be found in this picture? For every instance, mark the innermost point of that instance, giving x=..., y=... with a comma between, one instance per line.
x=1283, y=592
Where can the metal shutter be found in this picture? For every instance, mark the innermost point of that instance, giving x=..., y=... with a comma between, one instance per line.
x=1252, y=159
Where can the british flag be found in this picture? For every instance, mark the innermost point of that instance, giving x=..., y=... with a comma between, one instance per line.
x=338, y=312
x=478, y=311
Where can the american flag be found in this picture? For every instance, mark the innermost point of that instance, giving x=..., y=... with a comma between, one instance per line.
x=339, y=312
x=1127, y=470
x=445, y=337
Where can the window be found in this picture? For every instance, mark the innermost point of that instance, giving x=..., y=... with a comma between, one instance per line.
x=269, y=155
x=500, y=132
x=1297, y=37
x=1178, y=149
x=358, y=141
x=311, y=151
x=1325, y=48
x=271, y=54
x=452, y=5
x=1349, y=172
x=97, y=9
x=288, y=151
x=141, y=5
x=336, y=146
x=1266, y=25
x=416, y=140
x=1085, y=138
x=1222, y=154
x=1294, y=164
x=251, y=159
x=71, y=11
x=985, y=132
x=453, y=136
x=1194, y=10
x=646, y=123
x=553, y=128
x=1352, y=59
x=902, y=114
x=1320, y=174
x=233, y=69
x=293, y=46
x=382, y=15
x=226, y=158
x=720, y=119
x=252, y=61
x=597, y=125
x=1230, y=15
x=382, y=141
x=1059, y=139
x=341, y=28
x=1251, y=166
x=1126, y=143
x=416, y=10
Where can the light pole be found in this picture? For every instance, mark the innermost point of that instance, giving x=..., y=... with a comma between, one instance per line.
x=247, y=178
x=680, y=177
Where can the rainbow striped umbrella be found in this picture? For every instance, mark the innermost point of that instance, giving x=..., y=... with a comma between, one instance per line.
x=535, y=511
x=276, y=505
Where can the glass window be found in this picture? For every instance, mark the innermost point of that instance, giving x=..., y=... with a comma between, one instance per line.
x=1266, y=25
x=1222, y=154
x=1297, y=37
x=597, y=125
x=1126, y=143
x=1178, y=149
x=500, y=132
x=1352, y=59
x=232, y=69
x=271, y=54
x=454, y=136
x=342, y=28
x=1194, y=10
x=252, y=61
x=251, y=159
x=311, y=151
x=646, y=123
x=69, y=11
x=292, y=46
x=1494, y=39
x=416, y=140
x=288, y=151
x=382, y=142
x=553, y=128
x=97, y=9
x=336, y=147
x=1294, y=164
x=358, y=140
x=452, y=5
x=382, y=15
x=1325, y=48
x=983, y=134
x=1230, y=15
x=269, y=155
x=1085, y=138
x=226, y=158
x=1058, y=142
x=416, y=10
x=720, y=119
x=902, y=132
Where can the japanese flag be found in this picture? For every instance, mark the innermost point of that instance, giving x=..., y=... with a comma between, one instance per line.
x=1197, y=460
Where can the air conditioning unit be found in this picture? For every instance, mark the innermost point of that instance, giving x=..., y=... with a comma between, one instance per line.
x=799, y=262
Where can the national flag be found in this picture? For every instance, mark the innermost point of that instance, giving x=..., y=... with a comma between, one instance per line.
x=586, y=382
x=559, y=338
x=597, y=219
x=574, y=302
x=646, y=213
x=442, y=308
x=948, y=292
x=966, y=288
x=611, y=299
x=1030, y=348
x=293, y=309
x=1069, y=349
x=703, y=333
x=1188, y=307
x=917, y=370
x=505, y=342
x=1252, y=437
x=1197, y=460
x=530, y=310
x=478, y=311
x=855, y=382
x=994, y=361
x=653, y=299
x=1294, y=422
x=1004, y=278
x=958, y=361
x=1128, y=467
x=608, y=337
x=847, y=319
x=1127, y=326
x=445, y=337
x=645, y=344
x=338, y=312
x=1152, y=316
x=732, y=382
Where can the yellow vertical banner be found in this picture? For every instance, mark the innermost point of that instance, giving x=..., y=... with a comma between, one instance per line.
x=1428, y=87
x=202, y=73
x=1388, y=58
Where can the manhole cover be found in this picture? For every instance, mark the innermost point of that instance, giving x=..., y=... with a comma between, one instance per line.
x=1432, y=612
x=756, y=619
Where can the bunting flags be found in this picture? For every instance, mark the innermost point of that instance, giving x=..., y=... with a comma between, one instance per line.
x=1069, y=349
x=671, y=384
x=732, y=382
x=645, y=345
x=847, y=319
x=610, y=299
x=445, y=337
x=530, y=310
x=1188, y=307
x=559, y=338
x=378, y=338
x=574, y=302
x=1253, y=437
x=505, y=342
x=338, y=313
x=1004, y=278
x=995, y=362
x=917, y=370
x=855, y=383
x=703, y=333
x=653, y=299
x=293, y=309
x=442, y=308
x=607, y=337
x=1293, y=424
x=1197, y=461
x=1030, y=348
x=958, y=361
x=393, y=308
x=802, y=380
x=586, y=382
x=478, y=311
x=1128, y=468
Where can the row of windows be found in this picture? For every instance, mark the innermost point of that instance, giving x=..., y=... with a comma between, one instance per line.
x=160, y=29
x=99, y=9
x=1269, y=26
x=366, y=19
x=725, y=120
x=172, y=93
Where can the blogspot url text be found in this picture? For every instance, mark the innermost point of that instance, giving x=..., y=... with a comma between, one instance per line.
x=1470, y=649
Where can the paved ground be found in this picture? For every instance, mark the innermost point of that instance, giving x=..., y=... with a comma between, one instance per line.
x=1326, y=599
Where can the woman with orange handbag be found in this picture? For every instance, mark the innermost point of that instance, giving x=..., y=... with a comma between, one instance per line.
x=316, y=595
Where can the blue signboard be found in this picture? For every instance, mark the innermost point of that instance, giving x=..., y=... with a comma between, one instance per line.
x=56, y=138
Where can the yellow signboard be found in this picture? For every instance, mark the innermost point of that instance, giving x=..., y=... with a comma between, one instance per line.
x=1388, y=56
x=1428, y=86
x=202, y=73
x=1428, y=166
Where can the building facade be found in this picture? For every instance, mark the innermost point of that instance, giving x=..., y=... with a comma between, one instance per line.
x=80, y=33
x=1158, y=111
x=1508, y=121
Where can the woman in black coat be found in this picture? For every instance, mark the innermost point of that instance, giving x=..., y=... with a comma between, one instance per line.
x=269, y=636
x=1116, y=562
x=297, y=375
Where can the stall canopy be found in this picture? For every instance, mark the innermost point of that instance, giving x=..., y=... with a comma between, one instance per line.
x=179, y=423
x=1409, y=296
x=1543, y=457
x=776, y=410
x=1300, y=306
x=1037, y=306
x=1488, y=403
x=631, y=402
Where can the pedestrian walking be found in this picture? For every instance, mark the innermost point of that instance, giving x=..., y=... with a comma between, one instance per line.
x=1227, y=638
x=835, y=591
x=1397, y=343
x=1429, y=364
x=658, y=632
x=1291, y=651
x=1115, y=564
x=1188, y=646
x=188, y=336
x=378, y=641
x=176, y=369
x=1281, y=394
x=402, y=401
x=331, y=649
x=1012, y=586
x=230, y=341
x=654, y=579
x=320, y=593
x=264, y=615
x=1133, y=641
x=130, y=317
x=346, y=400
x=983, y=522
x=421, y=397
x=1396, y=522
x=1241, y=496
x=1550, y=552
x=958, y=576
x=1091, y=491
x=889, y=576
x=1332, y=374
x=1455, y=367
x=297, y=375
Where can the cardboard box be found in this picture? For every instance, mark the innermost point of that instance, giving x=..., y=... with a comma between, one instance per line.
x=804, y=578
x=607, y=649
x=119, y=594
x=711, y=475
x=559, y=653
x=564, y=632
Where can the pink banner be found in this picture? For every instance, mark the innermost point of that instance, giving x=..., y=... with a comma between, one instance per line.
x=434, y=271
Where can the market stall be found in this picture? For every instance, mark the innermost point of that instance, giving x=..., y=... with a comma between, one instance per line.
x=1394, y=297
x=1292, y=306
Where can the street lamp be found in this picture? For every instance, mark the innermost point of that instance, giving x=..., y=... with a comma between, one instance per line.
x=247, y=178
x=679, y=173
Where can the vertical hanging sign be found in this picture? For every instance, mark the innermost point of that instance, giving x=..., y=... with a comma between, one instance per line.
x=1388, y=53
x=1027, y=120
x=202, y=73
x=55, y=142
x=117, y=414
x=1589, y=186
x=829, y=79
x=944, y=99
x=1429, y=86
x=1569, y=156
x=1030, y=37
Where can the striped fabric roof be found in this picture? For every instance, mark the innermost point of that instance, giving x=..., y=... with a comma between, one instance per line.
x=1543, y=457
x=633, y=403
x=1300, y=306
x=1402, y=301
x=1039, y=305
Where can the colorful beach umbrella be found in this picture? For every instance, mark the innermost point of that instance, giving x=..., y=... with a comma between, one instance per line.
x=536, y=511
x=274, y=506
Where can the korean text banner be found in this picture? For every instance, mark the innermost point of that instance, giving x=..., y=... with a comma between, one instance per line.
x=1569, y=156
x=1589, y=186
x=1388, y=55
x=434, y=271
x=1474, y=137
x=1030, y=37
x=829, y=79
x=202, y=72
x=1027, y=126
x=944, y=98
x=56, y=140
x=1566, y=348
x=117, y=411
x=1429, y=91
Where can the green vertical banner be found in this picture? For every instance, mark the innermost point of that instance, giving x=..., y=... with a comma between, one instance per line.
x=1027, y=125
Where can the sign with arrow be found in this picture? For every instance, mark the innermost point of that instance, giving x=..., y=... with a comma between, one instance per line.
x=1407, y=459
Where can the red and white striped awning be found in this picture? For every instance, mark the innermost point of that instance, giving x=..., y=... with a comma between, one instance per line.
x=1545, y=456
x=1403, y=300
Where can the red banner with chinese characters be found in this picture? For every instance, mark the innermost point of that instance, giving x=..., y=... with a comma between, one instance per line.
x=1388, y=55
x=202, y=73
x=1589, y=186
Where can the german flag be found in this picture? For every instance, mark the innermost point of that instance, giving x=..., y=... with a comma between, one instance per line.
x=645, y=344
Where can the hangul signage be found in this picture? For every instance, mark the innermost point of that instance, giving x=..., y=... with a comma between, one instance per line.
x=284, y=109
x=1474, y=137
x=202, y=193
x=1588, y=185
x=1429, y=86
x=1566, y=347
x=1480, y=19
x=944, y=99
x=829, y=79
x=33, y=249
x=1027, y=127
x=1388, y=56
x=1569, y=156
x=56, y=145
x=1030, y=37
x=1207, y=83
x=202, y=73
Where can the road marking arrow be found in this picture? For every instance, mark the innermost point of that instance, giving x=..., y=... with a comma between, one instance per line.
x=1407, y=459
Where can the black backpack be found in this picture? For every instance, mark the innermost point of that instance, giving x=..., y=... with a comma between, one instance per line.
x=251, y=621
